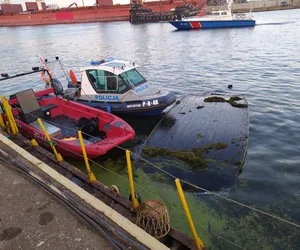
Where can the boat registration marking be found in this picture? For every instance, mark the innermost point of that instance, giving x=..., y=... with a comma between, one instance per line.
x=150, y=103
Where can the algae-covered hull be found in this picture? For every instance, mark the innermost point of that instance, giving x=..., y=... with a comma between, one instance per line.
x=203, y=140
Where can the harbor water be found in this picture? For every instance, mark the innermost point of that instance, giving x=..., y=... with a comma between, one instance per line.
x=262, y=63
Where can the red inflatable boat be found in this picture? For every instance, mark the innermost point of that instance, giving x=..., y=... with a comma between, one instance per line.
x=62, y=119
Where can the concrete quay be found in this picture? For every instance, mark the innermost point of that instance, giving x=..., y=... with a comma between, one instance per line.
x=31, y=218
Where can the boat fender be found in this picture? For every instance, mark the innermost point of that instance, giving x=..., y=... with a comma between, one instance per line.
x=115, y=189
x=46, y=79
x=137, y=196
x=73, y=77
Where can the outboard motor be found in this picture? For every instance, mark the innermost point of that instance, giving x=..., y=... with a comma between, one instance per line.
x=58, y=88
x=89, y=128
x=70, y=85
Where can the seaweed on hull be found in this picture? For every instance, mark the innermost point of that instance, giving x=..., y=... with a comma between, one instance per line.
x=193, y=157
x=232, y=101
x=206, y=146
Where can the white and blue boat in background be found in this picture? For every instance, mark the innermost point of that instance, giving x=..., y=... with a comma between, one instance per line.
x=216, y=19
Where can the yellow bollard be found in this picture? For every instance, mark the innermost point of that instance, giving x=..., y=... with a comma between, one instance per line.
x=2, y=124
x=198, y=241
x=14, y=121
x=11, y=120
x=135, y=202
x=6, y=108
x=89, y=171
x=34, y=143
x=10, y=116
x=57, y=155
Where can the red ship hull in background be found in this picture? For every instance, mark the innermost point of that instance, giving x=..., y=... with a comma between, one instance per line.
x=104, y=12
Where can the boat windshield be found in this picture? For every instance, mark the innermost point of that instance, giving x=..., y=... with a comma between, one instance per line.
x=133, y=77
x=104, y=81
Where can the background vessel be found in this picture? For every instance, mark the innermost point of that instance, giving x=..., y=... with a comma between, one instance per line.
x=103, y=11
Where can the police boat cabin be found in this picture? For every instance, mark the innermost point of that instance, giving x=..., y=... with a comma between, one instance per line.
x=117, y=86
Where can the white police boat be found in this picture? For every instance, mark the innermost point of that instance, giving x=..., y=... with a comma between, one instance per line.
x=115, y=86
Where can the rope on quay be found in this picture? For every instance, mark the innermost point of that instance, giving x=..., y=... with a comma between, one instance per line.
x=23, y=171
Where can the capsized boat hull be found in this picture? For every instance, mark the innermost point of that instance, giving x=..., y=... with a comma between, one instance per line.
x=205, y=139
x=61, y=121
x=213, y=24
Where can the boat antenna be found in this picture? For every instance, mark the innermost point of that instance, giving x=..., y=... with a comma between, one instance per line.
x=43, y=62
x=62, y=66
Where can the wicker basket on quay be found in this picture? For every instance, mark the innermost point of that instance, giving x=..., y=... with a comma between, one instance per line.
x=153, y=217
